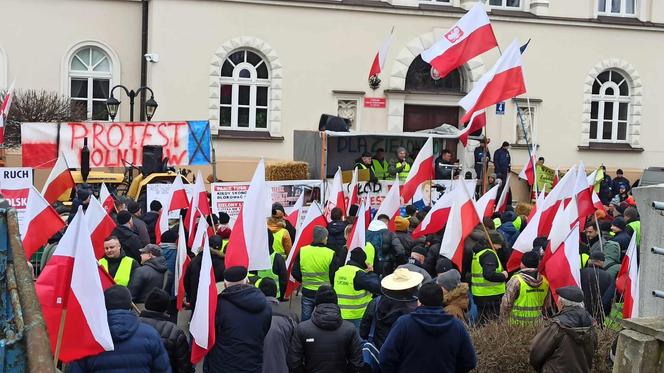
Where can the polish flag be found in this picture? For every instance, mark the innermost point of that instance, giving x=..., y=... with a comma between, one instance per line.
x=198, y=240
x=182, y=261
x=202, y=327
x=502, y=201
x=597, y=203
x=358, y=233
x=471, y=36
x=420, y=172
x=4, y=110
x=628, y=278
x=101, y=225
x=367, y=210
x=294, y=215
x=463, y=219
x=176, y=199
x=41, y=221
x=477, y=122
x=487, y=203
x=391, y=205
x=564, y=190
x=528, y=171
x=58, y=181
x=106, y=199
x=539, y=201
x=335, y=198
x=304, y=236
x=524, y=242
x=556, y=178
x=247, y=245
x=583, y=193
x=72, y=282
x=563, y=267
x=504, y=81
x=39, y=148
x=438, y=216
x=198, y=205
x=379, y=60
x=353, y=192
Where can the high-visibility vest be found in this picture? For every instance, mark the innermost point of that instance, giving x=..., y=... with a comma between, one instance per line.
x=123, y=274
x=517, y=223
x=268, y=273
x=479, y=286
x=370, y=250
x=613, y=320
x=403, y=175
x=277, y=243
x=352, y=302
x=224, y=243
x=528, y=305
x=636, y=227
x=315, y=266
x=361, y=166
x=496, y=223
x=380, y=169
x=584, y=259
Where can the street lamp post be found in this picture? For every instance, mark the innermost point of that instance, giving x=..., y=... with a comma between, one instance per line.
x=112, y=103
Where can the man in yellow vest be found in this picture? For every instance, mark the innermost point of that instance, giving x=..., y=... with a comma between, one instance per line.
x=400, y=166
x=116, y=263
x=314, y=266
x=380, y=165
x=631, y=215
x=282, y=242
x=355, y=286
x=366, y=163
x=526, y=293
x=488, y=279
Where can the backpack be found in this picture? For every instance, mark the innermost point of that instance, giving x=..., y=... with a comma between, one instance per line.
x=376, y=239
x=371, y=354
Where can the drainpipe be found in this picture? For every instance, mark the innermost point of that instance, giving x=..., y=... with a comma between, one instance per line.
x=144, y=51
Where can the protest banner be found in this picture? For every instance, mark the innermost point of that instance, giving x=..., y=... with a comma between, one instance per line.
x=14, y=186
x=160, y=192
x=115, y=144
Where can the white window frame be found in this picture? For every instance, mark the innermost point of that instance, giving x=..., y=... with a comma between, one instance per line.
x=505, y=6
x=438, y=2
x=253, y=82
x=616, y=99
x=623, y=9
x=90, y=75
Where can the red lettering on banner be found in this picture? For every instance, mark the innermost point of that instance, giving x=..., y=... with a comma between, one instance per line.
x=132, y=136
x=163, y=134
x=96, y=157
x=74, y=133
x=147, y=134
x=109, y=133
x=97, y=130
x=177, y=130
x=176, y=158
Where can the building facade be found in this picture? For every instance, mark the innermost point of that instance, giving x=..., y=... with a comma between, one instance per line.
x=260, y=69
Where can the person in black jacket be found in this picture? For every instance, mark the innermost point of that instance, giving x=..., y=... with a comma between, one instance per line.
x=389, y=250
x=278, y=338
x=597, y=286
x=444, y=165
x=488, y=306
x=242, y=321
x=151, y=217
x=193, y=272
x=619, y=227
x=326, y=342
x=173, y=337
x=153, y=273
x=131, y=243
x=619, y=181
x=502, y=161
x=605, y=188
x=335, y=237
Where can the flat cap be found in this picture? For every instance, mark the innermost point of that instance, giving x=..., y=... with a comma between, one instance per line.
x=572, y=293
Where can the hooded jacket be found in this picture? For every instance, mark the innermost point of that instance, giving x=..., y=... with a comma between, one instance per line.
x=427, y=340
x=278, y=339
x=129, y=241
x=532, y=277
x=456, y=301
x=152, y=274
x=137, y=348
x=242, y=321
x=566, y=344
x=325, y=343
x=388, y=247
x=386, y=311
x=335, y=238
x=173, y=338
x=612, y=262
x=192, y=275
x=150, y=219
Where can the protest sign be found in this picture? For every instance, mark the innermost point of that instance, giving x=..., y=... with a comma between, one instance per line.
x=14, y=186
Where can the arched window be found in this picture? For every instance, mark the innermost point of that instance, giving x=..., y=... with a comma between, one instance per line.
x=421, y=78
x=244, y=91
x=610, y=107
x=90, y=81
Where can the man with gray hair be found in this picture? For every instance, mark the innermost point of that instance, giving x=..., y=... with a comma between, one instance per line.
x=314, y=266
x=400, y=166
x=153, y=273
x=569, y=341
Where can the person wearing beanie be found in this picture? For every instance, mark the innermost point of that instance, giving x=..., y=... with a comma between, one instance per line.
x=315, y=265
x=192, y=275
x=526, y=293
x=120, y=266
x=488, y=277
x=278, y=339
x=366, y=163
x=139, y=225
x=82, y=198
x=428, y=340
x=326, y=342
x=620, y=181
x=224, y=230
x=403, y=233
x=455, y=294
x=568, y=341
x=277, y=271
x=282, y=240
x=618, y=227
x=598, y=287
x=355, y=286
x=150, y=219
x=633, y=223
x=242, y=321
x=416, y=262
x=129, y=239
x=137, y=347
x=400, y=166
x=173, y=337
x=507, y=228
x=153, y=273
x=335, y=239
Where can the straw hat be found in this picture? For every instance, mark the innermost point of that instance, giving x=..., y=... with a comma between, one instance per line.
x=402, y=279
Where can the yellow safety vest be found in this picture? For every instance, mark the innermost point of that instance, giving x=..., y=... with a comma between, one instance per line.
x=268, y=273
x=479, y=286
x=403, y=175
x=224, y=243
x=315, y=266
x=352, y=302
x=380, y=169
x=517, y=223
x=613, y=320
x=123, y=274
x=496, y=223
x=636, y=227
x=370, y=250
x=528, y=305
x=277, y=243
x=584, y=259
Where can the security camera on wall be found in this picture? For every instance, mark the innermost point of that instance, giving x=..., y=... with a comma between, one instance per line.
x=151, y=57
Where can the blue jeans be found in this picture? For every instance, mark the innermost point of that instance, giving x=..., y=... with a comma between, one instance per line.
x=308, y=305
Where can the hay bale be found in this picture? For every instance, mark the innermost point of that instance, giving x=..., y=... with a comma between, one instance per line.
x=289, y=170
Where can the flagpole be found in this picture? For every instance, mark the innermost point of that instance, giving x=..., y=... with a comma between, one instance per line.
x=58, y=343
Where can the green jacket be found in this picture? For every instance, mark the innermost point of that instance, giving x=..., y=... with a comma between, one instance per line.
x=611, y=250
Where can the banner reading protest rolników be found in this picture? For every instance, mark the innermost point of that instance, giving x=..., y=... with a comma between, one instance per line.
x=15, y=185
x=115, y=144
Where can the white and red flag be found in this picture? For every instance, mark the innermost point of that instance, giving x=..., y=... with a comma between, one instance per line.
x=335, y=197
x=504, y=81
x=556, y=178
x=501, y=205
x=106, y=199
x=562, y=192
x=178, y=194
x=4, y=110
x=59, y=180
x=247, y=245
x=528, y=171
x=357, y=237
x=367, y=210
x=73, y=282
x=176, y=199
x=353, y=191
x=294, y=212
x=563, y=267
x=583, y=193
x=41, y=221
x=438, y=216
x=420, y=172
x=524, y=243
x=628, y=280
x=391, y=205
x=487, y=203
x=202, y=327
x=471, y=36
x=477, y=122
x=101, y=225
x=463, y=219
x=381, y=56
x=182, y=261
x=198, y=205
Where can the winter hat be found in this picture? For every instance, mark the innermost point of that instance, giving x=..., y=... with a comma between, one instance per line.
x=496, y=237
x=320, y=234
x=170, y=236
x=597, y=255
x=420, y=249
x=235, y=274
x=604, y=226
x=278, y=207
x=449, y=280
x=267, y=286
x=540, y=242
x=83, y=194
x=630, y=201
x=619, y=171
x=123, y=217
x=443, y=264
x=572, y=293
x=358, y=256
x=430, y=295
x=508, y=216
x=401, y=279
x=151, y=249
x=326, y=294
x=619, y=223
x=224, y=218
x=401, y=224
x=158, y=301
x=133, y=207
x=117, y=297
x=215, y=242
x=530, y=259
x=155, y=205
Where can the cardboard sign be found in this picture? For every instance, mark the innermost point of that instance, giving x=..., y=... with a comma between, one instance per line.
x=375, y=102
x=160, y=192
x=15, y=185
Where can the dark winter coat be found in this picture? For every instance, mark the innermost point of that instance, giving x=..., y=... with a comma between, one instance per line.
x=242, y=321
x=622, y=239
x=335, y=238
x=174, y=338
x=443, y=169
x=142, y=229
x=389, y=310
x=427, y=340
x=619, y=181
x=606, y=190
x=152, y=274
x=137, y=348
x=388, y=247
x=129, y=240
x=194, y=271
x=509, y=233
x=369, y=281
x=502, y=161
x=408, y=242
x=325, y=343
x=170, y=252
x=566, y=344
x=278, y=339
x=596, y=285
x=150, y=219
